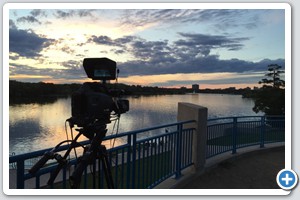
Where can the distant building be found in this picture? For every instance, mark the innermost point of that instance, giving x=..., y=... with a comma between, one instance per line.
x=195, y=88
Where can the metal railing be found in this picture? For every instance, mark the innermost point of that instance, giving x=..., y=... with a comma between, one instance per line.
x=144, y=160
x=232, y=133
x=149, y=156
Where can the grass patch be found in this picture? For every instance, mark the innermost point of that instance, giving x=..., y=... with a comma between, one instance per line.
x=147, y=171
x=248, y=136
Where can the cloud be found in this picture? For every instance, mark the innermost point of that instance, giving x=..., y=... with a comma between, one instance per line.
x=32, y=18
x=73, y=71
x=209, y=64
x=29, y=19
x=72, y=64
x=144, y=17
x=102, y=40
x=38, y=12
x=27, y=43
x=61, y=14
x=12, y=24
x=67, y=49
x=190, y=44
x=220, y=19
x=189, y=54
x=207, y=42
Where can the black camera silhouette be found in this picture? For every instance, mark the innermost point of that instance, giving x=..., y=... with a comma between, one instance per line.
x=94, y=101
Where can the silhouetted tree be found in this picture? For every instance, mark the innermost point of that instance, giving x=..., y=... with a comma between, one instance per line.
x=274, y=75
x=270, y=99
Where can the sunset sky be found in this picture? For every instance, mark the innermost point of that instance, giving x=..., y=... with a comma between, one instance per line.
x=215, y=48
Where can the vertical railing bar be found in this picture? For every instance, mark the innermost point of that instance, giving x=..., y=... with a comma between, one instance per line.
x=99, y=174
x=128, y=161
x=64, y=177
x=139, y=166
x=116, y=168
x=123, y=163
x=207, y=139
x=144, y=166
x=234, y=135
x=148, y=169
x=153, y=172
x=186, y=148
x=93, y=174
x=174, y=153
x=37, y=182
x=178, y=153
x=20, y=174
x=85, y=177
x=167, y=149
x=217, y=147
x=133, y=161
x=171, y=154
x=262, y=134
x=191, y=146
x=151, y=164
x=183, y=158
x=163, y=153
x=158, y=158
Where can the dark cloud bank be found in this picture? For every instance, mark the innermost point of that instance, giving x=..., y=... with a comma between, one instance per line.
x=190, y=54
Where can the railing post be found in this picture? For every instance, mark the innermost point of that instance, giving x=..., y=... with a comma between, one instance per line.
x=178, y=151
x=128, y=161
x=20, y=174
x=262, y=132
x=234, y=135
x=188, y=111
x=133, y=160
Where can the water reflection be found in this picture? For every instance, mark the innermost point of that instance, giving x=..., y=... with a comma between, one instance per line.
x=38, y=126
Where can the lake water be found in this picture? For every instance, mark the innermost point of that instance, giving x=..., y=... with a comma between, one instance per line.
x=39, y=126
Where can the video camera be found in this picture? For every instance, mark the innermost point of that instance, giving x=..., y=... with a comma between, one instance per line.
x=93, y=107
x=94, y=102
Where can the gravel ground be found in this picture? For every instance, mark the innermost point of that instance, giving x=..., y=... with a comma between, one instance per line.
x=257, y=170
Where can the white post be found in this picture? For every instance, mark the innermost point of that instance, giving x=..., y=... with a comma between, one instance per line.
x=188, y=111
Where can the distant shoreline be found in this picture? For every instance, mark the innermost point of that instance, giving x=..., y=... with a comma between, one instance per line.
x=34, y=92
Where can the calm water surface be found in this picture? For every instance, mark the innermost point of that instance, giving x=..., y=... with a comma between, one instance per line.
x=39, y=126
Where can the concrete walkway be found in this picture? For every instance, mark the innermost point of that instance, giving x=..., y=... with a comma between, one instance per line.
x=253, y=170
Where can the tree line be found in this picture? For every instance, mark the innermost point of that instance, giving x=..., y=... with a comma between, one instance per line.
x=24, y=90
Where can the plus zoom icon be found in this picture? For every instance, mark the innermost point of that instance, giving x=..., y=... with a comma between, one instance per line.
x=287, y=179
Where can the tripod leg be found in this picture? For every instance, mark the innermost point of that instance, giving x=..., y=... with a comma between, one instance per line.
x=107, y=171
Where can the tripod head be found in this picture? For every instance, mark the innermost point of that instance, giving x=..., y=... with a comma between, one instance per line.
x=91, y=130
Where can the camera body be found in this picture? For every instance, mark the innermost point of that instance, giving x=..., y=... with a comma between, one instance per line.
x=93, y=102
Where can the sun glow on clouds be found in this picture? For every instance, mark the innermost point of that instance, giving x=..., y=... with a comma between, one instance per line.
x=74, y=35
x=27, y=76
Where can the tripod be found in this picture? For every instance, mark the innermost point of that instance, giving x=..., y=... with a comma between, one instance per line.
x=95, y=132
x=95, y=151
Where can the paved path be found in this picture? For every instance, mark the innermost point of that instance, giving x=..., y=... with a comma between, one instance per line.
x=256, y=170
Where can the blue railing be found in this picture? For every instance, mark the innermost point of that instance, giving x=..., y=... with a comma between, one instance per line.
x=232, y=133
x=149, y=156
x=140, y=161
